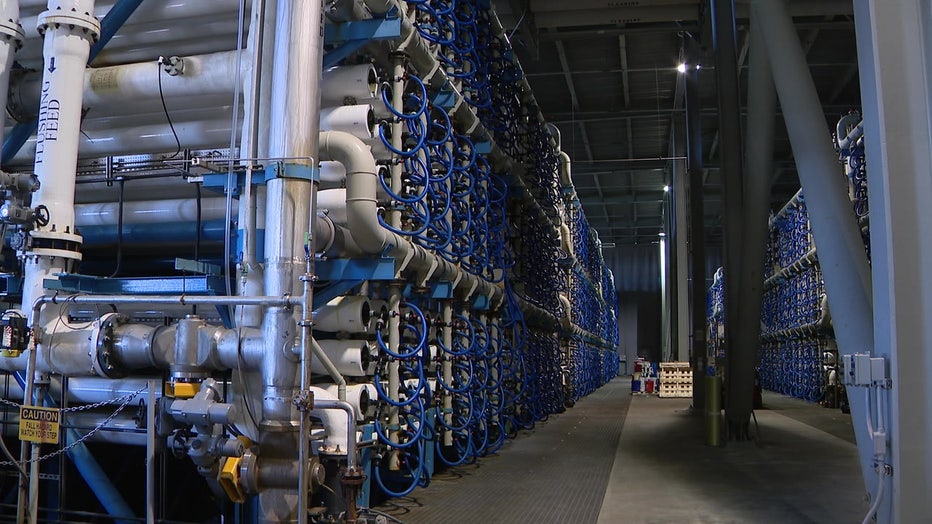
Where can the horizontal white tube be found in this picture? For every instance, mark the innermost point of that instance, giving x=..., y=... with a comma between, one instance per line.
x=352, y=84
x=351, y=357
x=134, y=88
x=149, y=212
x=360, y=396
x=356, y=120
x=348, y=314
x=333, y=203
x=156, y=138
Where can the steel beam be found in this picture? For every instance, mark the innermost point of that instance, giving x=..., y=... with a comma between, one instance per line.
x=895, y=72
x=834, y=227
x=724, y=43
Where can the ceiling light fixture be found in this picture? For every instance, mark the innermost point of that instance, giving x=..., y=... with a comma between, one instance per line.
x=666, y=189
x=681, y=67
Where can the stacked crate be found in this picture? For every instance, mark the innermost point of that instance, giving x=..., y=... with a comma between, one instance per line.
x=676, y=380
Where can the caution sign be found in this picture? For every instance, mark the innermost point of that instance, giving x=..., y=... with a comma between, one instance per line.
x=39, y=424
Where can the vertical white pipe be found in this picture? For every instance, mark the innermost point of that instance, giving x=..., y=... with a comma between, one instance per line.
x=69, y=28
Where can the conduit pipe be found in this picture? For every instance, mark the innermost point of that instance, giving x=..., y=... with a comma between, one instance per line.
x=835, y=228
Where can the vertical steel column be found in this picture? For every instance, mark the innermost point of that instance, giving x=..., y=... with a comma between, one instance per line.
x=834, y=227
x=696, y=220
x=895, y=69
x=739, y=373
x=762, y=107
x=679, y=248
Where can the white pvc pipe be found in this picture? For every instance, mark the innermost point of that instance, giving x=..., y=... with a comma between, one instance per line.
x=336, y=440
x=357, y=120
x=332, y=173
x=332, y=202
x=348, y=314
x=360, y=396
x=149, y=211
x=351, y=357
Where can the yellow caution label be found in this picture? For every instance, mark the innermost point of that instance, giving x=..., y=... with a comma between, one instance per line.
x=38, y=424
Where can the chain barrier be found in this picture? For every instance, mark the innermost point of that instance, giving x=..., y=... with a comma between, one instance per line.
x=124, y=401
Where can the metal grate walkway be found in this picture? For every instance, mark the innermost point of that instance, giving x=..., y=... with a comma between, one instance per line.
x=534, y=478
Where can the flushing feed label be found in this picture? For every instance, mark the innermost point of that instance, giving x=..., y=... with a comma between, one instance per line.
x=39, y=424
x=49, y=113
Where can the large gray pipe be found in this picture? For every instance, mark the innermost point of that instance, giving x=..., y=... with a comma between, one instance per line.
x=834, y=226
x=290, y=207
x=758, y=168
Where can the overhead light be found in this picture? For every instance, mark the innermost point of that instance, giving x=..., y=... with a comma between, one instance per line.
x=662, y=234
x=681, y=67
x=666, y=189
x=698, y=67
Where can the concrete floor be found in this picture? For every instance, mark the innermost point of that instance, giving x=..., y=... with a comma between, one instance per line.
x=614, y=458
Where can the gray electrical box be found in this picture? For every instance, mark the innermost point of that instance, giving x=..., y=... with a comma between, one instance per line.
x=879, y=371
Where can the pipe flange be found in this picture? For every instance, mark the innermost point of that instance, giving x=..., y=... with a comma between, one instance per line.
x=248, y=473
x=86, y=21
x=13, y=31
x=55, y=244
x=103, y=355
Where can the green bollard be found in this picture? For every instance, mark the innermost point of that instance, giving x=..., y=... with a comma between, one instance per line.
x=713, y=410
